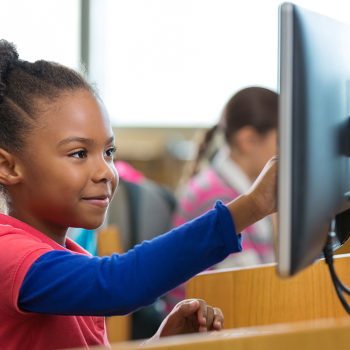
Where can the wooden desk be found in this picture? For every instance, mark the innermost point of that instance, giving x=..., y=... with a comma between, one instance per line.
x=257, y=296
x=321, y=335
x=264, y=307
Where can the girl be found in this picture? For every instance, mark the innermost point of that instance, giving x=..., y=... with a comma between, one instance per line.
x=249, y=126
x=56, y=171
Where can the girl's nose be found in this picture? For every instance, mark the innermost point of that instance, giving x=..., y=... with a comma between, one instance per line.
x=104, y=171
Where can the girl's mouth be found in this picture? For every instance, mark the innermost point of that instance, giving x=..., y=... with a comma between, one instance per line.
x=101, y=202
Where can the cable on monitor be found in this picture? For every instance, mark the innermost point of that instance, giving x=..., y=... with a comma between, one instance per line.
x=340, y=288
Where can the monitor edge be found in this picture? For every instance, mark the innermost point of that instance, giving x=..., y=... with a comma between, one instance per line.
x=285, y=139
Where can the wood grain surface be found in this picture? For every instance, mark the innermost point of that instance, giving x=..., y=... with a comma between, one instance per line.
x=323, y=334
x=257, y=296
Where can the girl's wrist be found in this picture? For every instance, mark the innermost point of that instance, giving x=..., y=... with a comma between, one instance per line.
x=244, y=212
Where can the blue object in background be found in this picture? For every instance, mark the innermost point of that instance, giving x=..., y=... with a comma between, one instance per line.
x=86, y=239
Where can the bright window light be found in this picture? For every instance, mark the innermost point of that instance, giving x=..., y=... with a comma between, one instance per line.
x=177, y=62
x=43, y=29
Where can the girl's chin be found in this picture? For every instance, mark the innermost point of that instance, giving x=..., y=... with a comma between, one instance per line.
x=86, y=219
x=91, y=223
x=93, y=226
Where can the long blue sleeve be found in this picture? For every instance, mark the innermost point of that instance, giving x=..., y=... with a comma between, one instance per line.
x=63, y=283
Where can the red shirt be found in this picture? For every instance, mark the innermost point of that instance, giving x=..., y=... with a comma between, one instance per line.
x=20, y=246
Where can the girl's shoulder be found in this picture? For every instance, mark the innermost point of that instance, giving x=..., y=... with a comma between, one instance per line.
x=11, y=229
x=19, y=249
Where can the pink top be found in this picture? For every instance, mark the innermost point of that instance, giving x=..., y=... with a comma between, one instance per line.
x=200, y=195
x=224, y=180
x=25, y=330
x=128, y=173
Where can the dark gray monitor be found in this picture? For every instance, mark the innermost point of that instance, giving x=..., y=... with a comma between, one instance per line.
x=314, y=167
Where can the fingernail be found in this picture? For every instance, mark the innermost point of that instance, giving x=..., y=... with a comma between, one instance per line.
x=193, y=303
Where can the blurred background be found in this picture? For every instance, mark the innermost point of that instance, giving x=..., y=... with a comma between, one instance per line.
x=164, y=69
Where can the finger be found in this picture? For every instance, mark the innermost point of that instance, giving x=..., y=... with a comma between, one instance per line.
x=210, y=316
x=202, y=315
x=270, y=167
x=174, y=321
x=187, y=308
x=218, y=323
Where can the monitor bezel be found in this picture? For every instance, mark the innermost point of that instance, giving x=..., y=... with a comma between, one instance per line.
x=285, y=131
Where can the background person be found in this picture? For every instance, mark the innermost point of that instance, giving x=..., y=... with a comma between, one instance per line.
x=249, y=126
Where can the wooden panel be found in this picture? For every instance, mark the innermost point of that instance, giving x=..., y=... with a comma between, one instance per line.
x=320, y=335
x=146, y=149
x=257, y=296
x=109, y=242
x=344, y=249
x=118, y=328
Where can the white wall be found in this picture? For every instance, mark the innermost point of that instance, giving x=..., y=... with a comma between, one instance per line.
x=43, y=29
x=177, y=62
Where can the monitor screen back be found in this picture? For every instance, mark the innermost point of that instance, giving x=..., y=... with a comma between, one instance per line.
x=314, y=86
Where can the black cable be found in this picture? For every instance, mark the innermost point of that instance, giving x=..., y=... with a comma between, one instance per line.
x=328, y=253
x=341, y=297
x=341, y=285
x=340, y=292
x=338, y=285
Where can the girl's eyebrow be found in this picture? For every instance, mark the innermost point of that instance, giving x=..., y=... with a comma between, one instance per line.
x=82, y=140
x=75, y=139
x=110, y=140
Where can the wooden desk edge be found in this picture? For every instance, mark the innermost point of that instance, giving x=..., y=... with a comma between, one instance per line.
x=317, y=330
x=338, y=256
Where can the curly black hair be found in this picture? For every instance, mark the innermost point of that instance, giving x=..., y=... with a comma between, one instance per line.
x=22, y=85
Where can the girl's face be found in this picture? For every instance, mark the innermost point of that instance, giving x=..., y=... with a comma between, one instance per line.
x=252, y=150
x=68, y=175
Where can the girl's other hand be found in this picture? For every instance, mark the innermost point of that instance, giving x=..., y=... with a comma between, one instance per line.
x=190, y=316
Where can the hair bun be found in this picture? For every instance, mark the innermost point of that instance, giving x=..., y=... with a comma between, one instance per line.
x=8, y=55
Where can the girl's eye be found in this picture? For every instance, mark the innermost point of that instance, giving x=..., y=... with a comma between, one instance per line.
x=111, y=151
x=79, y=154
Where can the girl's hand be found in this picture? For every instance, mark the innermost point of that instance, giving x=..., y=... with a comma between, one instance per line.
x=190, y=316
x=259, y=201
x=264, y=190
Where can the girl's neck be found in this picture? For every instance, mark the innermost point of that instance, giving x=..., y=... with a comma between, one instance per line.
x=57, y=234
x=244, y=164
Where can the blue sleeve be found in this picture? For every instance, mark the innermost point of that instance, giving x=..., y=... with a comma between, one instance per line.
x=63, y=283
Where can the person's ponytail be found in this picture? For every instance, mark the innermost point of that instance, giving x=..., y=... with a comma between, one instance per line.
x=194, y=166
x=203, y=148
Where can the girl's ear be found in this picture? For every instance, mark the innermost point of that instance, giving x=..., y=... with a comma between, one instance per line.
x=246, y=139
x=9, y=174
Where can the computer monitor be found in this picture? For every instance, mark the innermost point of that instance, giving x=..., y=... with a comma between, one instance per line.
x=314, y=167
